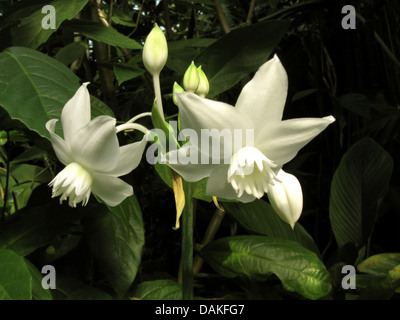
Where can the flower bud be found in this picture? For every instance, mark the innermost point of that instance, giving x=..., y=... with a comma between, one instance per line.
x=176, y=88
x=204, y=86
x=155, y=51
x=286, y=197
x=191, y=78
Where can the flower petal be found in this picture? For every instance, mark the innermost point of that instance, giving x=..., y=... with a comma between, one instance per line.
x=59, y=145
x=264, y=96
x=218, y=186
x=129, y=158
x=286, y=198
x=180, y=161
x=199, y=113
x=95, y=146
x=110, y=189
x=76, y=112
x=282, y=141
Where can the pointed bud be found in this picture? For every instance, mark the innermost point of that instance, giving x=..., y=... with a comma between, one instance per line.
x=155, y=51
x=191, y=78
x=176, y=89
x=204, y=86
x=286, y=197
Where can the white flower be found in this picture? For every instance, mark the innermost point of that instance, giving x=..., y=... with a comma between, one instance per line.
x=92, y=155
x=254, y=169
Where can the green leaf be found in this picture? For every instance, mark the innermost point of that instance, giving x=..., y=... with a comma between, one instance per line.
x=358, y=186
x=37, y=226
x=30, y=33
x=125, y=72
x=35, y=87
x=99, y=32
x=298, y=268
x=158, y=290
x=239, y=53
x=259, y=217
x=15, y=278
x=71, y=52
x=380, y=264
x=116, y=239
x=38, y=292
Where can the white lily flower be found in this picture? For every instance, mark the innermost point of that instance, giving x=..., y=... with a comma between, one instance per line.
x=92, y=155
x=252, y=169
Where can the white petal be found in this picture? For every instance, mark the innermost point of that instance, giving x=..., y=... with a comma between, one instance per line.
x=282, y=141
x=76, y=112
x=110, y=189
x=178, y=160
x=219, y=186
x=95, y=146
x=287, y=198
x=59, y=145
x=129, y=158
x=199, y=113
x=264, y=96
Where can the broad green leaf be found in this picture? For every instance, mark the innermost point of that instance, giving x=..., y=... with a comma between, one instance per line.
x=36, y=226
x=30, y=32
x=71, y=52
x=35, y=87
x=38, y=292
x=15, y=278
x=116, y=239
x=239, y=53
x=99, y=32
x=358, y=186
x=259, y=217
x=182, y=52
x=380, y=264
x=158, y=290
x=298, y=268
x=125, y=72
x=122, y=18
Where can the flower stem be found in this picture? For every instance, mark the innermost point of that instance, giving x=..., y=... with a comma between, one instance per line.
x=132, y=126
x=157, y=92
x=187, y=243
x=141, y=115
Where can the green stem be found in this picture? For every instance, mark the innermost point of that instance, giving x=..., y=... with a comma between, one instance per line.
x=187, y=243
x=157, y=92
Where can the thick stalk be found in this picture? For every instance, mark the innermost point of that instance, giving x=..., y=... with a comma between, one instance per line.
x=187, y=243
x=157, y=91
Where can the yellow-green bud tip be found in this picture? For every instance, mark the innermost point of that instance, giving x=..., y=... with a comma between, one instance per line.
x=204, y=86
x=176, y=88
x=191, y=78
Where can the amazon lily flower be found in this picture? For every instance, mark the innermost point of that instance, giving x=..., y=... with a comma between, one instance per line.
x=92, y=155
x=252, y=169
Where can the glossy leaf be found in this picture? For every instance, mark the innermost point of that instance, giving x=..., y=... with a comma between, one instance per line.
x=116, y=239
x=158, y=290
x=298, y=268
x=239, y=53
x=359, y=184
x=30, y=32
x=99, y=32
x=43, y=96
x=259, y=217
x=15, y=278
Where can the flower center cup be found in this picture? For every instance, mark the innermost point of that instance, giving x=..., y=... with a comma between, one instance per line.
x=74, y=182
x=251, y=172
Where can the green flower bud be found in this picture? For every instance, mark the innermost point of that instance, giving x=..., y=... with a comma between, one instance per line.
x=176, y=88
x=191, y=78
x=204, y=86
x=155, y=51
